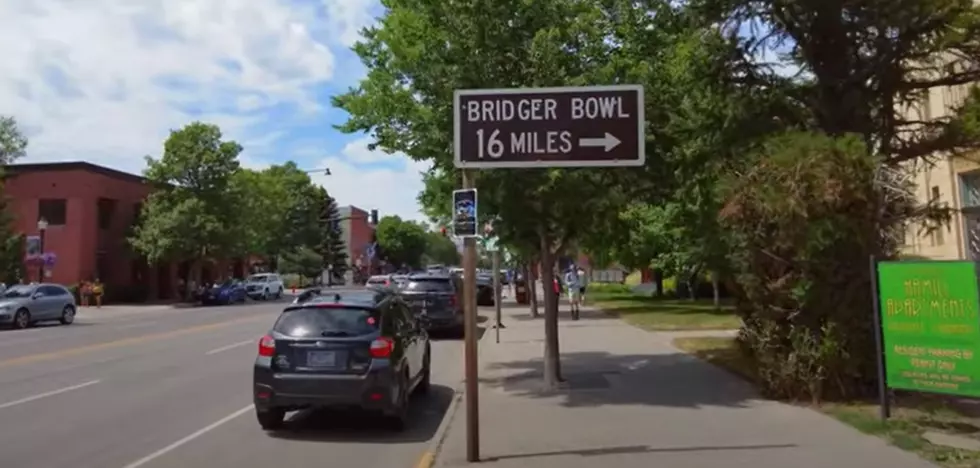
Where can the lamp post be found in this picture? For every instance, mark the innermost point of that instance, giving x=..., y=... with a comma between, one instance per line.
x=42, y=225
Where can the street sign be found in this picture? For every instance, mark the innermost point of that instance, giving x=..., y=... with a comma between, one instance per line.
x=592, y=126
x=464, y=213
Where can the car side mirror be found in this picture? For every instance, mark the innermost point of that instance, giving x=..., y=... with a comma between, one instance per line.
x=37, y=295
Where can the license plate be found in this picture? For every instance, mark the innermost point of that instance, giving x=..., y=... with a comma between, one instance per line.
x=321, y=359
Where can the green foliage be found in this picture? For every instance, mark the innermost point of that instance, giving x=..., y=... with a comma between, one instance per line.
x=303, y=261
x=401, y=242
x=331, y=245
x=194, y=213
x=13, y=145
x=440, y=250
x=279, y=209
x=802, y=213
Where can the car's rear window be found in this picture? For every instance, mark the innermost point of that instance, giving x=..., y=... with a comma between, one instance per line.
x=327, y=321
x=428, y=285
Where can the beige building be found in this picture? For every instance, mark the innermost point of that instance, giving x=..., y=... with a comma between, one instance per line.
x=952, y=182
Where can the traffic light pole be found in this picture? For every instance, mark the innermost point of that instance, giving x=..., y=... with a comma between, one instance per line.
x=470, y=345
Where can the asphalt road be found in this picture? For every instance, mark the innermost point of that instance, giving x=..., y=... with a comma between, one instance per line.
x=158, y=387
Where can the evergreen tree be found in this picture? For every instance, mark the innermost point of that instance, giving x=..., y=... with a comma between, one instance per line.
x=331, y=246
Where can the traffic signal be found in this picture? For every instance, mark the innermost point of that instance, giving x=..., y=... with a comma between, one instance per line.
x=374, y=217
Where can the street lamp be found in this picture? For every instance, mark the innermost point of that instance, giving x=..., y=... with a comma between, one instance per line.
x=324, y=171
x=42, y=225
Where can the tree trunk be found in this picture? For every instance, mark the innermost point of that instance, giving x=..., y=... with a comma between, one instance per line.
x=658, y=281
x=716, y=289
x=552, y=361
x=532, y=289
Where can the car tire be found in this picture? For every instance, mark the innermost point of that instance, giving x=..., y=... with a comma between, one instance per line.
x=67, y=315
x=265, y=294
x=271, y=419
x=279, y=293
x=22, y=319
x=398, y=418
x=426, y=383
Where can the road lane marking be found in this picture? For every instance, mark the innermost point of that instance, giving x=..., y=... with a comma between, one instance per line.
x=73, y=352
x=427, y=460
x=47, y=394
x=189, y=438
x=231, y=346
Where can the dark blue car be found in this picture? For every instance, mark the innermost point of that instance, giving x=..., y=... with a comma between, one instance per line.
x=229, y=292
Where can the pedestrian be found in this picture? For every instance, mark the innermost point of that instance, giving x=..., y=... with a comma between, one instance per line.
x=574, y=290
x=85, y=292
x=97, y=291
x=583, y=281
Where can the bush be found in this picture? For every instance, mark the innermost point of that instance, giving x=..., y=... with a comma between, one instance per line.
x=609, y=288
x=804, y=214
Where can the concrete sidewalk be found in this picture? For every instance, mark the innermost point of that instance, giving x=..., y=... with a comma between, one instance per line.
x=632, y=400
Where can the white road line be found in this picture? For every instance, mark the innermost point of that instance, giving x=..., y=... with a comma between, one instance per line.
x=226, y=348
x=47, y=394
x=189, y=438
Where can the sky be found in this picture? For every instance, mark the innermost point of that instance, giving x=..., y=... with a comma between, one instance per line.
x=104, y=81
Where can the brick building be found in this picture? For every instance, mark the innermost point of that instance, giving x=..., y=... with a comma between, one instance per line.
x=358, y=233
x=89, y=211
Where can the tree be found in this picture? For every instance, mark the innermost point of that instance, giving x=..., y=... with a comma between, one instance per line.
x=280, y=208
x=422, y=51
x=331, y=246
x=194, y=213
x=13, y=145
x=440, y=249
x=402, y=242
x=303, y=261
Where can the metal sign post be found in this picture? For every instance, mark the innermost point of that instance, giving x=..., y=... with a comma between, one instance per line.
x=465, y=227
x=593, y=126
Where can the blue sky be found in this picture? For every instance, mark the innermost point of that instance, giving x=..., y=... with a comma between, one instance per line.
x=105, y=80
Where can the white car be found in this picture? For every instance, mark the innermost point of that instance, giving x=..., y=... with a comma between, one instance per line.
x=264, y=286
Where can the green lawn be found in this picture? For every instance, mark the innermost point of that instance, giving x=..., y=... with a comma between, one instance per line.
x=665, y=314
x=911, y=417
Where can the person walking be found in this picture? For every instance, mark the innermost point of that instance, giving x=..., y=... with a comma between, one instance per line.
x=97, y=291
x=573, y=287
x=583, y=281
x=85, y=292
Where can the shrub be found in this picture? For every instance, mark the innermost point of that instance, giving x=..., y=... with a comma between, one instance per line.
x=804, y=214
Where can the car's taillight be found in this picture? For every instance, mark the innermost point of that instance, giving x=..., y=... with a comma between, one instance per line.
x=382, y=347
x=267, y=346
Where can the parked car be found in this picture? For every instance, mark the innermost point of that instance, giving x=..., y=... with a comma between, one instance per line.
x=264, y=286
x=437, y=297
x=228, y=292
x=23, y=305
x=360, y=349
x=379, y=280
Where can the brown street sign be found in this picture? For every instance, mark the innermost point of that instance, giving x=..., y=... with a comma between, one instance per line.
x=590, y=126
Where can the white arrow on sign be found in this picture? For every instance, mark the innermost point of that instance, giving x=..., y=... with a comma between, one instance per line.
x=608, y=141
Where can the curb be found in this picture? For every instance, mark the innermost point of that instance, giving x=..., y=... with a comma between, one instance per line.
x=428, y=459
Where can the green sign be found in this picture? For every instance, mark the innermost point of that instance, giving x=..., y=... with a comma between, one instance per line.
x=930, y=326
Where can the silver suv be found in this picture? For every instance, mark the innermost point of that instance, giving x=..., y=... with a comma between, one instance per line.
x=264, y=286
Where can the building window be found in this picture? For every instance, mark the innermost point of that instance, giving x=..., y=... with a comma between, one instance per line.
x=106, y=210
x=53, y=210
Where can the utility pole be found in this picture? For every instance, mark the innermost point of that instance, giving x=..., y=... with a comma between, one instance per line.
x=470, y=337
